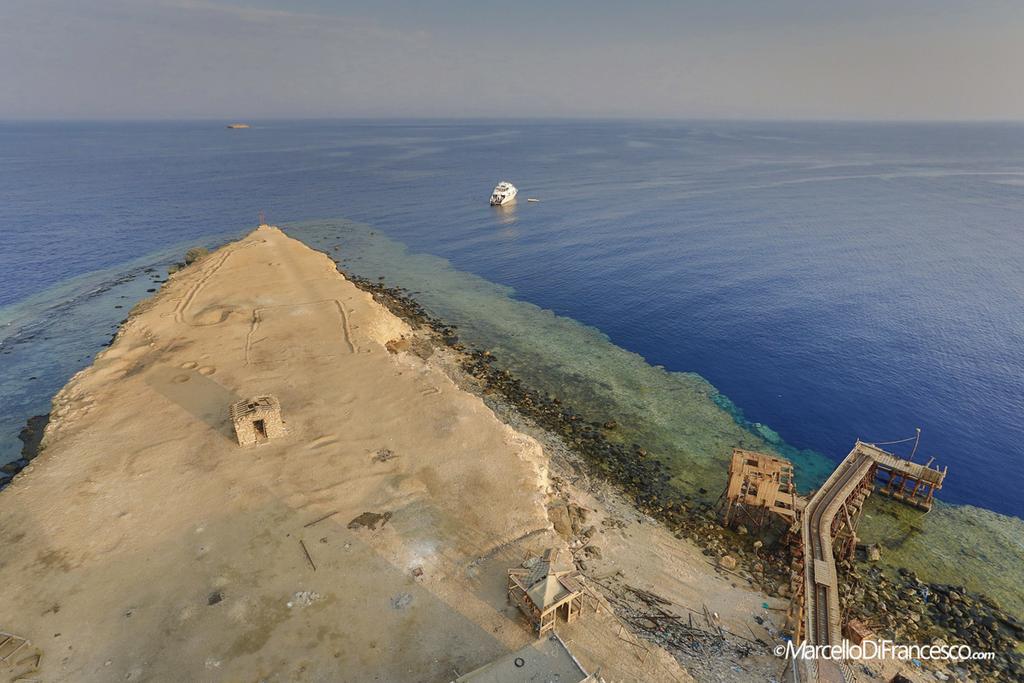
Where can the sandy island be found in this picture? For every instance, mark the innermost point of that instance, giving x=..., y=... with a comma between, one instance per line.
x=145, y=544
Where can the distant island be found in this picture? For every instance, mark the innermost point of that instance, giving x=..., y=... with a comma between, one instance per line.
x=237, y=126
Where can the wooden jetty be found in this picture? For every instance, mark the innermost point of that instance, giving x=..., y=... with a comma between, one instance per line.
x=827, y=531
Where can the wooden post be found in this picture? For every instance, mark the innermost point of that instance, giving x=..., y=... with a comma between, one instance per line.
x=913, y=492
x=903, y=487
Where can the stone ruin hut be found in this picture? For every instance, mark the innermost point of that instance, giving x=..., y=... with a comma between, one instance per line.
x=551, y=585
x=760, y=486
x=257, y=420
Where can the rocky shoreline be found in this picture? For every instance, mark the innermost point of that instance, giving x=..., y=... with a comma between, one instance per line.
x=31, y=436
x=898, y=607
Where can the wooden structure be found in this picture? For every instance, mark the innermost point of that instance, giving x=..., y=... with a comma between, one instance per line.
x=760, y=486
x=857, y=632
x=547, y=659
x=897, y=475
x=828, y=531
x=257, y=420
x=550, y=586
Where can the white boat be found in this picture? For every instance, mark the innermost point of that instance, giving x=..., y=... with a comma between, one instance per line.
x=504, y=192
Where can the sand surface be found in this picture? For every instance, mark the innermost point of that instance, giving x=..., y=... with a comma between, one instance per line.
x=145, y=544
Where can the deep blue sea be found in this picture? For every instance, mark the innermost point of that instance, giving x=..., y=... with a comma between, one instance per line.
x=834, y=281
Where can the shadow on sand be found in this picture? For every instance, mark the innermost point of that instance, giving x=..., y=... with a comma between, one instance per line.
x=196, y=394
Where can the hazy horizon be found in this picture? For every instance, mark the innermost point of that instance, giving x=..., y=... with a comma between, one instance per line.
x=501, y=119
x=903, y=60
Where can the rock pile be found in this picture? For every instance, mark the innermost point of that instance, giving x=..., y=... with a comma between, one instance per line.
x=906, y=610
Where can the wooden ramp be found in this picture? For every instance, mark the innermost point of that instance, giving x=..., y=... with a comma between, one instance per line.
x=827, y=529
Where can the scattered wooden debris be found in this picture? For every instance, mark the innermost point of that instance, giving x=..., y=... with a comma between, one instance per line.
x=308, y=556
x=673, y=627
x=320, y=519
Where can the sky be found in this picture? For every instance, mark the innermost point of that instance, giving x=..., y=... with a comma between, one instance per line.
x=762, y=59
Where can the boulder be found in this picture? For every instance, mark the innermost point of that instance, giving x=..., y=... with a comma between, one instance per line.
x=194, y=254
x=577, y=517
x=32, y=434
x=727, y=562
x=558, y=514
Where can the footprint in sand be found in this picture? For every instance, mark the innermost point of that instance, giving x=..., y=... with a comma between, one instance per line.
x=207, y=370
x=180, y=379
x=190, y=365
